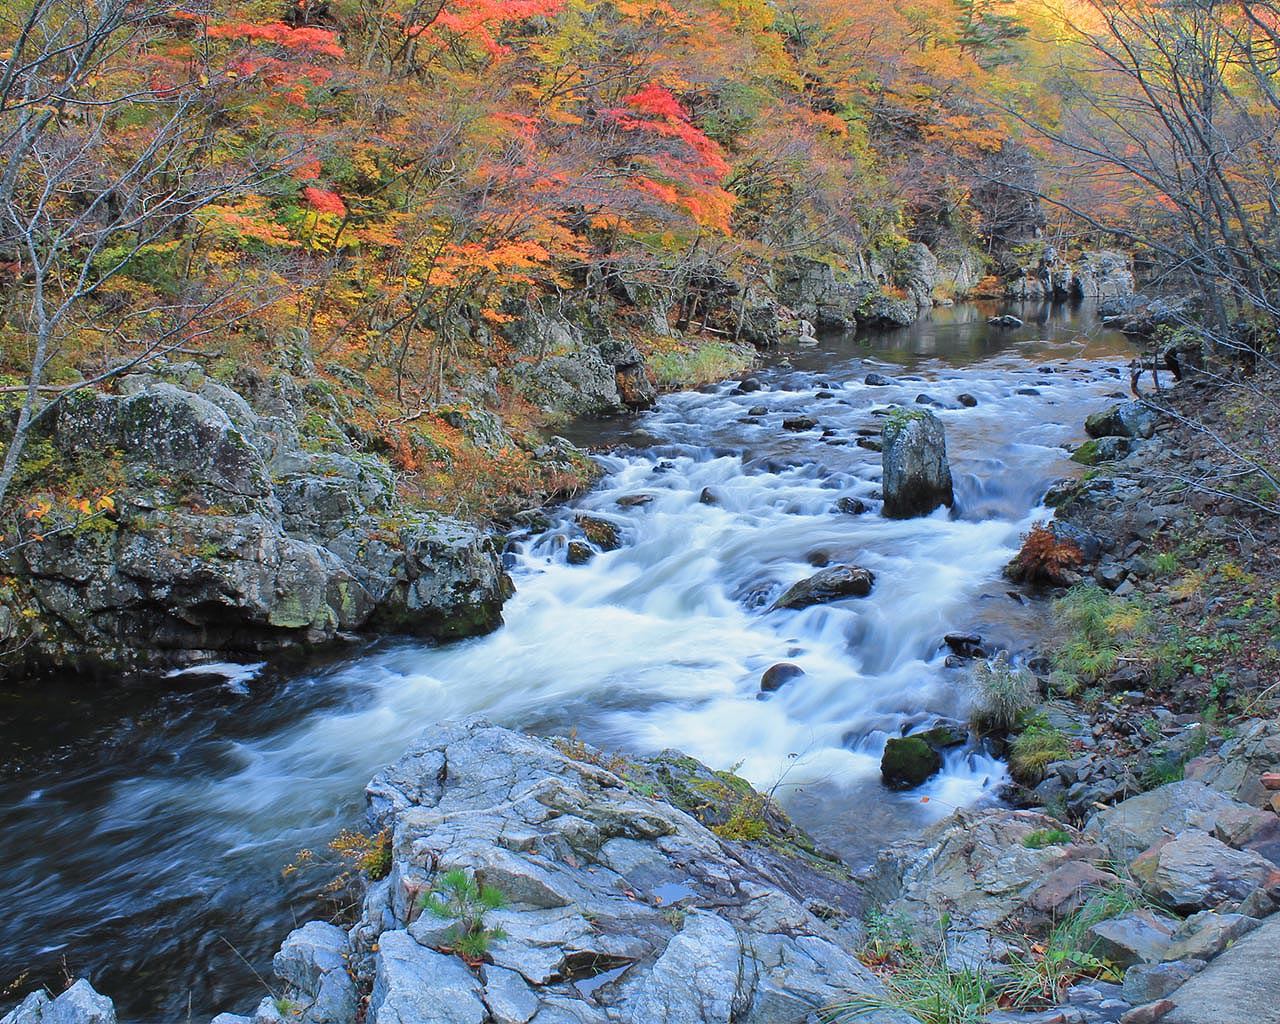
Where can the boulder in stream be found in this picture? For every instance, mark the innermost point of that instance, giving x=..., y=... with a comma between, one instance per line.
x=917, y=477
x=908, y=762
x=830, y=584
x=1127, y=419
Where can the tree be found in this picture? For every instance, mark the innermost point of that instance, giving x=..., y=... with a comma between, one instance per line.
x=1168, y=140
x=108, y=113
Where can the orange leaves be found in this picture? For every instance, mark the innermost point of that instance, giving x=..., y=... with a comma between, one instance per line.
x=476, y=23
x=323, y=201
x=654, y=109
x=683, y=167
x=317, y=41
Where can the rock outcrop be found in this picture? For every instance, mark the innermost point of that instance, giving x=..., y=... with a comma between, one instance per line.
x=620, y=907
x=79, y=1004
x=1097, y=276
x=229, y=538
x=568, y=373
x=917, y=476
x=814, y=290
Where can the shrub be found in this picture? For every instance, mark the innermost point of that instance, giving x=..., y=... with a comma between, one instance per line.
x=1037, y=747
x=1001, y=694
x=1045, y=558
x=457, y=895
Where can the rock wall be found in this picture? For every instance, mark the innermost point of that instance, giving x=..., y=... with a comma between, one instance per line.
x=230, y=538
x=1096, y=276
x=567, y=373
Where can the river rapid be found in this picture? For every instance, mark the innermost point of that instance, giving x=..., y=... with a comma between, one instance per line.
x=143, y=833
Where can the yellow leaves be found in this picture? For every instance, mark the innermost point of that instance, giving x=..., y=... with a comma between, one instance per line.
x=38, y=510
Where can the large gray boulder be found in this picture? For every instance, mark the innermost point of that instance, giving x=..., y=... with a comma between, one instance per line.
x=975, y=870
x=598, y=877
x=1139, y=823
x=1128, y=419
x=1195, y=871
x=1239, y=764
x=917, y=476
x=228, y=539
x=1239, y=987
x=313, y=960
x=830, y=584
x=79, y=1004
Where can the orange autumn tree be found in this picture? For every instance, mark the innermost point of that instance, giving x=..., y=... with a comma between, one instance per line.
x=109, y=119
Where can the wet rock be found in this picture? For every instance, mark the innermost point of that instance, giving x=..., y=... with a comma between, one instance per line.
x=879, y=380
x=966, y=399
x=710, y=496
x=1128, y=419
x=871, y=444
x=965, y=645
x=851, y=506
x=923, y=399
x=830, y=584
x=758, y=410
x=778, y=675
x=799, y=423
x=908, y=761
x=748, y=386
x=635, y=500
x=600, y=532
x=1103, y=449
x=578, y=553
x=1006, y=320
x=917, y=477
x=1145, y=983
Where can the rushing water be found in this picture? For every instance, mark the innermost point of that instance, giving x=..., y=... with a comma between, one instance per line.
x=142, y=838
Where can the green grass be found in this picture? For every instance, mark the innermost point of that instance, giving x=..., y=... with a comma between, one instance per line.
x=929, y=990
x=1043, y=837
x=1034, y=749
x=1002, y=694
x=702, y=362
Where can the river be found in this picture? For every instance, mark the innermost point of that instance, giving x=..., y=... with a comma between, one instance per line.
x=143, y=833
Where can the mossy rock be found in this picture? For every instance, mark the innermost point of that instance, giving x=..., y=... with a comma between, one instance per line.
x=908, y=762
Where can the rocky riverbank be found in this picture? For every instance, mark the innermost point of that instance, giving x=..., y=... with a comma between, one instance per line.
x=514, y=880
x=221, y=529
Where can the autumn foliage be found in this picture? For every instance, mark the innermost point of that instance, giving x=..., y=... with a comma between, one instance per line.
x=1046, y=558
x=385, y=184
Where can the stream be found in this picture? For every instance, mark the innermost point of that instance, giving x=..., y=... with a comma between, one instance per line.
x=143, y=833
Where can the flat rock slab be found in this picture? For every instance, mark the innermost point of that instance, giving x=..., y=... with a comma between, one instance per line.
x=1242, y=986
